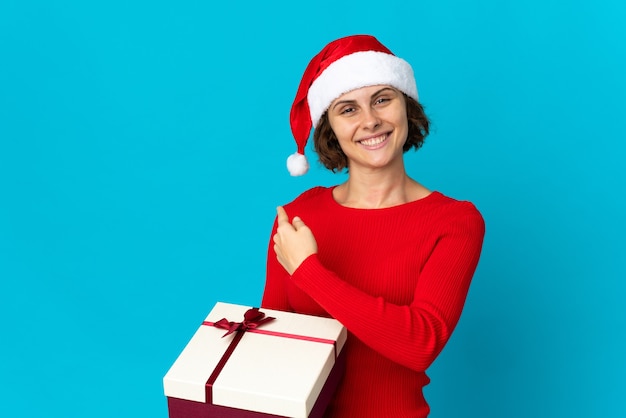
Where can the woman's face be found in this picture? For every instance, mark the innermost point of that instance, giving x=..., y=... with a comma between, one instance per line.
x=371, y=126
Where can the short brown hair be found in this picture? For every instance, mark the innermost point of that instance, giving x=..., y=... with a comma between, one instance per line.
x=332, y=157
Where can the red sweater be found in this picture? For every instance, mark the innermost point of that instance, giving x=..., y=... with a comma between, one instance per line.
x=396, y=278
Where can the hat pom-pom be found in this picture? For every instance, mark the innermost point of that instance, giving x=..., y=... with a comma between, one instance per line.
x=297, y=164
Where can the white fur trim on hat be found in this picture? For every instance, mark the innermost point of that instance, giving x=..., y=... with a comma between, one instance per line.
x=360, y=69
x=297, y=164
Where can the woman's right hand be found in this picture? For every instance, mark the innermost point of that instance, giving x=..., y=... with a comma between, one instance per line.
x=293, y=242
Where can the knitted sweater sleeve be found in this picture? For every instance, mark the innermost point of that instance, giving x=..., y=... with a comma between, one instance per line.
x=414, y=334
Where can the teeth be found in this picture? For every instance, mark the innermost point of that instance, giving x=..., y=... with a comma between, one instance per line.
x=374, y=141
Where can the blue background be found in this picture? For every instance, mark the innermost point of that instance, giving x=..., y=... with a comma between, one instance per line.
x=142, y=149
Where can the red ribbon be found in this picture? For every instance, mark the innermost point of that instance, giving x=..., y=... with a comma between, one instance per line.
x=252, y=319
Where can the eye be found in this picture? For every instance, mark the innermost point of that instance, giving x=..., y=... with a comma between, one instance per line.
x=381, y=100
x=347, y=110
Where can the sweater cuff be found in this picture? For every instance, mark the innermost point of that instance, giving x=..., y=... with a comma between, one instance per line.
x=310, y=264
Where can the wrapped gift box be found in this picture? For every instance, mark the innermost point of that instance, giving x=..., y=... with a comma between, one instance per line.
x=288, y=366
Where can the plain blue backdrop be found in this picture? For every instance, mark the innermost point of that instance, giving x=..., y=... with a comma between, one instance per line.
x=142, y=155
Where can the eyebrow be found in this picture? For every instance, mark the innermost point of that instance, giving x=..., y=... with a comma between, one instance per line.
x=352, y=101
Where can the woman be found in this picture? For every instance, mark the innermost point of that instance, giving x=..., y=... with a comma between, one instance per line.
x=388, y=258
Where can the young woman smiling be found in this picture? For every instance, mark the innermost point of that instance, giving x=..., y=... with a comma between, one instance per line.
x=371, y=127
x=388, y=258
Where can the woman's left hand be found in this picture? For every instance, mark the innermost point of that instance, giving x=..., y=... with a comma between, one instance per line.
x=293, y=242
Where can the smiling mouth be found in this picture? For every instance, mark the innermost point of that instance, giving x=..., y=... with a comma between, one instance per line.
x=371, y=142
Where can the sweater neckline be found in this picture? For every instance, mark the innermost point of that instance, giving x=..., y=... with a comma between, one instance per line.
x=433, y=195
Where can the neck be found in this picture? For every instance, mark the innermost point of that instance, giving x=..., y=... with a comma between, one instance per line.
x=375, y=190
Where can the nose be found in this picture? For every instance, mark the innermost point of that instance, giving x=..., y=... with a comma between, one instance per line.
x=371, y=120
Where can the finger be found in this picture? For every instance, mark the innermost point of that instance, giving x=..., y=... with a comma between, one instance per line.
x=277, y=252
x=281, y=215
x=297, y=222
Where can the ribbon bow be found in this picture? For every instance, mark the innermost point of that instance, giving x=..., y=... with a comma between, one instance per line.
x=252, y=319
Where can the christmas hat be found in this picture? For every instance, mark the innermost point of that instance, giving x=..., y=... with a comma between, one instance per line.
x=343, y=65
